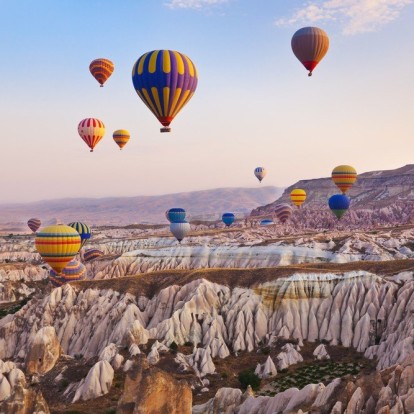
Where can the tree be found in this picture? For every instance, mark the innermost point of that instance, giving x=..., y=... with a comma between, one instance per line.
x=248, y=377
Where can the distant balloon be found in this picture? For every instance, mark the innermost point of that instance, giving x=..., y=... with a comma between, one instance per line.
x=260, y=173
x=283, y=212
x=121, y=137
x=344, y=176
x=92, y=254
x=83, y=229
x=34, y=224
x=91, y=131
x=339, y=204
x=175, y=214
x=74, y=270
x=310, y=45
x=228, y=219
x=58, y=245
x=101, y=70
x=298, y=196
x=180, y=229
x=266, y=222
x=165, y=80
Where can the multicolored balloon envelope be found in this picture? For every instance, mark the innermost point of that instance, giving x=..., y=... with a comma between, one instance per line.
x=121, y=137
x=266, y=222
x=310, y=45
x=260, y=173
x=91, y=254
x=91, y=130
x=228, y=219
x=175, y=214
x=283, y=212
x=101, y=69
x=339, y=204
x=74, y=270
x=34, y=224
x=165, y=80
x=180, y=229
x=298, y=196
x=83, y=229
x=58, y=245
x=344, y=177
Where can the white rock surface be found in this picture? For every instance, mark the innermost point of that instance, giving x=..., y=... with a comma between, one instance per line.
x=320, y=352
x=288, y=356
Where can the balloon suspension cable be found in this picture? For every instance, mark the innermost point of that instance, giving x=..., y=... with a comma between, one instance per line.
x=165, y=129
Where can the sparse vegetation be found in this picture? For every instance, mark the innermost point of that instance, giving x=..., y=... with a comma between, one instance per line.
x=248, y=377
x=173, y=346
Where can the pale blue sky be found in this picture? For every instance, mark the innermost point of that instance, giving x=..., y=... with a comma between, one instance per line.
x=254, y=105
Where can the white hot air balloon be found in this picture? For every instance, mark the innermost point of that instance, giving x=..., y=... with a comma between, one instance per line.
x=260, y=173
x=180, y=229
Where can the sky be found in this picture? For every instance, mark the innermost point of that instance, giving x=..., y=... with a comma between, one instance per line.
x=254, y=104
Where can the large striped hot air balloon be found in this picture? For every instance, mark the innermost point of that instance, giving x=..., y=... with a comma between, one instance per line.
x=344, y=176
x=121, y=137
x=74, y=270
x=175, y=214
x=339, y=204
x=92, y=254
x=91, y=131
x=180, y=229
x=83, y=229
x=165, y=80
x=283, y=212
x=101, y=69
x=260, y=173
x=310, y=45
x=58, y=245
x=228, y=219
x=298, y=196
x=34, y=224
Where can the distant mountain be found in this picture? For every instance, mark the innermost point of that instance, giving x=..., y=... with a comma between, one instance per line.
x=377, y=198
x=200, y=205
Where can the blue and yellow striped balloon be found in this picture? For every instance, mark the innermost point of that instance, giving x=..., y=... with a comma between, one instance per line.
x=92, y=254
x=83, y=229
x=75, y=270
x=165, y=80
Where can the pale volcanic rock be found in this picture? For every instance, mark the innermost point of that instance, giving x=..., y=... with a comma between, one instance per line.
x=44, y=351
x=202, y=363
x=5, y=388
x=266, y=370
x=153, y=357
x=225, y=401
x=110, y=354
x=134, y=350
x=17, y=378
x=136, y=334
x=6, y=367
x=98, y=382
x=323, y=399
x=337, y=408
x=288, y=356
x=320, y=352
x=25, y=401
x=356, y=403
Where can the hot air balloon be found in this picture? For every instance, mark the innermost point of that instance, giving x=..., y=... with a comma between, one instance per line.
x=344, y=176
x=92, y=254
x=260, y=173
x=310, y=45
x=91, y=131
x=298, y=196
x=228, y=219
x=121, y=137
x=175, y=214
x=165, y=80
x=101, y=70
x=34, y=224
x=74, y=270
x=266, y=222
x=58, y=245
x=83, y=229
x=283, y=212
x=180, y=229
x=339, y=204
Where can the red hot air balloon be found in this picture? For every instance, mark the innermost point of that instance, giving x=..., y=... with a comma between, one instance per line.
x=101, y=70
x=91, y=130
x=283, y=212
x=310, y=45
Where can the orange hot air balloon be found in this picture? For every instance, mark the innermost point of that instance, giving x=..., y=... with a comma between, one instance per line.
x=344, y=176
x=310, y=45
x=58, y=245
x=121, y=137
x=298, y=196
x=91, y=131
x=101, y=70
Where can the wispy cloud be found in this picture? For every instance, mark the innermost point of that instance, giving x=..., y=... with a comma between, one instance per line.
x=193, y=4
x=355, y=16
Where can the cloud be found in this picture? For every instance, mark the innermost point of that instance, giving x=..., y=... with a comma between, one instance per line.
x=355, y=16
x=193, y=4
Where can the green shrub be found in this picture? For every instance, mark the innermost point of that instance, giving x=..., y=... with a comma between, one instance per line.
x=248, y=377
x=188, y=343
x=173, y=346
x=224, y=375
